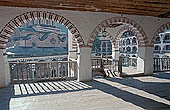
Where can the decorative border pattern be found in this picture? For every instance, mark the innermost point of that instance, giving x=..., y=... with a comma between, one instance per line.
x=10, y=27
x=116, y=40
x=156, y=34
x=138, y=30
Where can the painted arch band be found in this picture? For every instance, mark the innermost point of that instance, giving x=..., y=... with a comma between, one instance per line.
x=48, y=17
x=137, y=29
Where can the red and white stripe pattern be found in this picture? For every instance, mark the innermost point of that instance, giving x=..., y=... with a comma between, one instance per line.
x=142, y=40
x=46, y=17
x=159, y=30
x=139, y=32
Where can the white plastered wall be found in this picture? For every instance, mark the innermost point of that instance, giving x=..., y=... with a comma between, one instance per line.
x=85, y=23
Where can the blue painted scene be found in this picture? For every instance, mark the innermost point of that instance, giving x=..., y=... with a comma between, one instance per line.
x=38, y=38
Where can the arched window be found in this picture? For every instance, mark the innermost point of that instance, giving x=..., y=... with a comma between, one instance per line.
x=167, y=47
x=128, y=49
x=166, y=38
x=157, y=47
x=123, y=49
x=134, y=41
x=134, y=49
x=124, y=42
x=158, y=40
x=128, y=41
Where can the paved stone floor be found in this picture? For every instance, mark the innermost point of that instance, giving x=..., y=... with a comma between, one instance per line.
x=137, y=93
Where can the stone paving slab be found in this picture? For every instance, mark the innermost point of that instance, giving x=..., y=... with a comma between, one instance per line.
x=135, y=93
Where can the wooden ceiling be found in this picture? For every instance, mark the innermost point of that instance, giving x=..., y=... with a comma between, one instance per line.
x=157, y=8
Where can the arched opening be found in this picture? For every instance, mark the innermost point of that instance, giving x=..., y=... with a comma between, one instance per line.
x=161, y=43
x=134, y=41
x=134, y=50
x=122, y=27
x=131, y=55
x=40, y=45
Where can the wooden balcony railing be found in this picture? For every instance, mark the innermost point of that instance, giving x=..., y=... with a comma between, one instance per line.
x=40, y=71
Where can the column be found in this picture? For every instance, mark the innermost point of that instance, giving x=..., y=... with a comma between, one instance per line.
x=71, y=51
x=145, y=60
x=84, y=64
x=4, y=71
x=115, y=52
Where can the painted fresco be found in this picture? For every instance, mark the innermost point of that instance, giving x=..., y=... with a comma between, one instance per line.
x=38, y=38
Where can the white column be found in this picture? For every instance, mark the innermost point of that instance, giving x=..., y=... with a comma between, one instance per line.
x=145, y=60
x=4, y=71
x=84, y=64
x=71, y=51
x=115, y=52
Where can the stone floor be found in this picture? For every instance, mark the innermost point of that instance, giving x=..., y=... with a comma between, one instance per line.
x=137, y=93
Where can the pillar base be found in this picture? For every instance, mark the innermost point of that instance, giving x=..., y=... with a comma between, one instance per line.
x=145, y=60
x=84, y=64
x=4, y=71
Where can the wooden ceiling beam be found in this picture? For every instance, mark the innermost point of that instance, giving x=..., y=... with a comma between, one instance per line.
x=137, y=7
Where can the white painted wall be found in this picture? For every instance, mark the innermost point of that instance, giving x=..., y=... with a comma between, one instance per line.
x=113, y=31
x=115, y=52
x=4, y=71
x=86, y=21
x=71, y=53
x=145, y=60
x=84, y=64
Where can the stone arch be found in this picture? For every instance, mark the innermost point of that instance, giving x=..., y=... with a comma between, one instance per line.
x=47, y=17
x=127, y=28
x=156, y=34
x=119, y=20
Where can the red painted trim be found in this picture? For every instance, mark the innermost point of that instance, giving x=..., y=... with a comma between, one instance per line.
x=161, y=28
x=9, y=27
x=116, y=19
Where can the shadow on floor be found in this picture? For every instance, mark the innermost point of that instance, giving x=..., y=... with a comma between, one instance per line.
x=35, y=89
x=160, y=89
x=138, y=100
x=162, y=75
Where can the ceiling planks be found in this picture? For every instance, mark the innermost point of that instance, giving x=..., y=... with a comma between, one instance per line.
x=157, y=8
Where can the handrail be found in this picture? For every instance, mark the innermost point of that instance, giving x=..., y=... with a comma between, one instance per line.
x=37, y=71
x=101, y=64
x=41, y=62
x=161, y=64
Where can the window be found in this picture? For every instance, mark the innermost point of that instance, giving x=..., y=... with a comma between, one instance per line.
x=158, y=39
x=134, y=50
x=167, y=47
x=128, y=42
x=104, y=44
x=134, y=41
x=128, y=49
x=157, y=47
x=167, y=37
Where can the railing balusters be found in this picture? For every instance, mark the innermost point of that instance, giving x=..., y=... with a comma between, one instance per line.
x=42, y=70
x=161, y=64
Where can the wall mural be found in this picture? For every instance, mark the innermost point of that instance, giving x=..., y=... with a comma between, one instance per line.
x=38, y=38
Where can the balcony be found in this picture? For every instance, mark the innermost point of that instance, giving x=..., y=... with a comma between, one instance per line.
x=42, y=71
